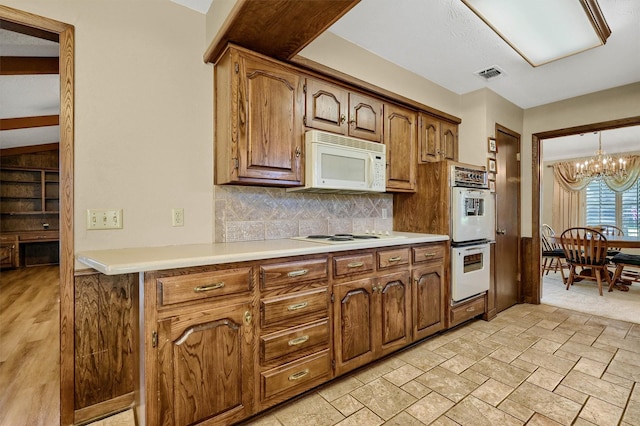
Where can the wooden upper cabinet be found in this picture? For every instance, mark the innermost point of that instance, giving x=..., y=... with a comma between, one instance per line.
x=259, y=130
x=335, y=109
x=437, y=139
x=400, y=136
x=326, y=106
x=365, y=117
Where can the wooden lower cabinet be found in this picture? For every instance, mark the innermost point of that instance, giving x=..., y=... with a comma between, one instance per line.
x=429, y=312
x=205, y=366
x=372, y=317
x=225, y=342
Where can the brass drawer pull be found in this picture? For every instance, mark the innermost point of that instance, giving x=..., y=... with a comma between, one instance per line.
x=293, y=274
x=209, y=287
x=355, y=264
x=297, y=306
x=298, y=340
x=394, y=259
x=299, y=375
x=429, y=254
x=471, y=309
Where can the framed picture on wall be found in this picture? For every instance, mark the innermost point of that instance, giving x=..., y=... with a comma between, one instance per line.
x=492, y=185
x=491, y=165
x=492, y=145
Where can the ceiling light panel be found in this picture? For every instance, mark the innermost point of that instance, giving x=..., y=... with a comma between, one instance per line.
x=543, y=31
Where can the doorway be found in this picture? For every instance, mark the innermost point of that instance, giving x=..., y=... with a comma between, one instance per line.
x=66, y=36
x=535, y=289
x=507, y=250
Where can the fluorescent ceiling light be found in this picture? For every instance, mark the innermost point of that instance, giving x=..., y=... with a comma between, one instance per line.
x=543, y=31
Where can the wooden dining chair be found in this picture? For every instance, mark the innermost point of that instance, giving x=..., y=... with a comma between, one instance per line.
x=613, y=231
x=552, y=253
x=586, y=248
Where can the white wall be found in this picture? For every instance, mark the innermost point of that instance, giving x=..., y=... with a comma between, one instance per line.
x=143, y=118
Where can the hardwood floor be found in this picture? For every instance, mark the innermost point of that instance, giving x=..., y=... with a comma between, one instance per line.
x=30, y=346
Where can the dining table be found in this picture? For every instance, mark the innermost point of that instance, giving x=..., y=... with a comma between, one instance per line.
x=616, y=241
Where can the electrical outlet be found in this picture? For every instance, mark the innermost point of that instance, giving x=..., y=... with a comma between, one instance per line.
x=384, y=213
x=104, y=219
x=177, y=217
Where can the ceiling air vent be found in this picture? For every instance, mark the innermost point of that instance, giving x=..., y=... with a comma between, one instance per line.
x=490, y=73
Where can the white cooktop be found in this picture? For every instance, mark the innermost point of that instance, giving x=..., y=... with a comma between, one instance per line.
x=350, y=238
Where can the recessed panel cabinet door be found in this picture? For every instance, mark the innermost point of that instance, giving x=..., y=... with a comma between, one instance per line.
x=365, y=117
x=428, y=300
x=400, y=136
x=354, y=324
x=270, y=129
x=395, y=297
x=326, y=106
x=205, y=366
x=449, y=141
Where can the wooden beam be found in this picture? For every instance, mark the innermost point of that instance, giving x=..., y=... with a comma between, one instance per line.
x=27, y=65
x=7, y=152
x=28, y=122
x=277, y=28
x=30, y=31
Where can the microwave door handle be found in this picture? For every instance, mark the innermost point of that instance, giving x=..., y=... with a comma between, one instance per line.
x=370, y=177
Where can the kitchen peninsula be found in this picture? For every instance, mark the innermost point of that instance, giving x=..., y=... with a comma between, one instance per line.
x=227, y=330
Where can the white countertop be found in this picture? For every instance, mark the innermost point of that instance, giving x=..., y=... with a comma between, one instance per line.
x=141, y=259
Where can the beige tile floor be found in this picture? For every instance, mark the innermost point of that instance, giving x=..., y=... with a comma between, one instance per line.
x=533, y=364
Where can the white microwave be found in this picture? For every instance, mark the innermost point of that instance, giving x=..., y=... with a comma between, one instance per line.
x=341, y=164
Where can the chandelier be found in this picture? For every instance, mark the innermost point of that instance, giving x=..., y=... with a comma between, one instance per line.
x=601, y=165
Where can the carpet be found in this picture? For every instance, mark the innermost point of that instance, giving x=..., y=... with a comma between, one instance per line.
x=583, y=297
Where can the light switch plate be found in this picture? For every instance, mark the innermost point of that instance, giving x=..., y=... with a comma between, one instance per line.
x=104, y=219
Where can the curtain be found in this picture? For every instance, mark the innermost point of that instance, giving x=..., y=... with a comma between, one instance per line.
x=566, y=208
x=565, y=171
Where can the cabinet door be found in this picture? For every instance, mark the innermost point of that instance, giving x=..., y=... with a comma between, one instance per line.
x=428, y=300
x=429, y=139
x=205, y=366
x=326, y=106
x=8, y=251
x=395, y=308
x=365, y=117
x=400, y=138
x=449, y=141
x=270, y=131
x=355, y=324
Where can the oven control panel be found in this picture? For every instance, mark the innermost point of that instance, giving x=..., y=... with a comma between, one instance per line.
x=468, y=178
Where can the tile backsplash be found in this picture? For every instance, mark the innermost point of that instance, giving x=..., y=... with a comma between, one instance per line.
x=249, y=213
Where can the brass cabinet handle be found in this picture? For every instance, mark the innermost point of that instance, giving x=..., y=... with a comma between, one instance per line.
x=355, y=264
x=297, y=306
x=247, y=317
x=298, y=375
x=471, y=309
x=429, y=254
x=298, y=152
x=209, y=287
x=293, y=274
x=298, y=340
x=343, y=118
x=394, y=259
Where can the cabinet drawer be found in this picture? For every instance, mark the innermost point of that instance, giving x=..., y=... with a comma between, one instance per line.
x=289, y=273
x=428, y=253
x=391, y=258
x=468, y=310
x=294, y=340
x=293, y=306
x=354, y=264
x=203, y=285
x=295, y=374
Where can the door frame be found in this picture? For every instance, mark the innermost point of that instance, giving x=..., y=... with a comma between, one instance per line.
x=535, y=293
x=66, y=34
